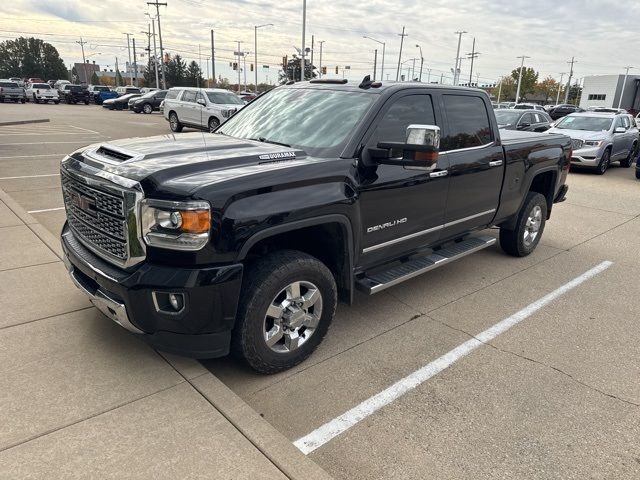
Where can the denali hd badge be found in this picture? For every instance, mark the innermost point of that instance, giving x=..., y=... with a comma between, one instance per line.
x=390, y=224
x=277, y=156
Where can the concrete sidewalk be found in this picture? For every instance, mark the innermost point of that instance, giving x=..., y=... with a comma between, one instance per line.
x=82, y=398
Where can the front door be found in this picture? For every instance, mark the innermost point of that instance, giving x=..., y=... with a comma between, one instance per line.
x=401, y=208
x=476, y=163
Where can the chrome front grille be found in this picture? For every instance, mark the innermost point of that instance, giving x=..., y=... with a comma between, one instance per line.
x=576, y=143
x=103, y=215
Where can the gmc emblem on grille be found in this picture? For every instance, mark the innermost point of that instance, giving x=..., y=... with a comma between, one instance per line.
x=86, y=204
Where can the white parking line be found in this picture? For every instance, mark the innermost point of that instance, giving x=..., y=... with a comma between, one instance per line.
x=339, y=425
x=31, y=176
x=46, y=210
x=86, y=129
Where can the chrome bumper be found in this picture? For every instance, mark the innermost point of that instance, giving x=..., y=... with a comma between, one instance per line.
x=113, y=309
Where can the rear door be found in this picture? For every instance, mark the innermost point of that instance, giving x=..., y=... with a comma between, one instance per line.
x=401, y=208
x=187, y=112
x=476, y=163
x=620, y=140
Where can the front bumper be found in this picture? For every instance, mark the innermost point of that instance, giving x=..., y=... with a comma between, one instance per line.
x=587, y=157
x=202, y=329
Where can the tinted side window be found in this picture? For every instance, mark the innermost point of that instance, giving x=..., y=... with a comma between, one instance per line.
x=468, y=123
x=409, y=110
x=189, y=96
x=527, y=118
x=625, y=122
x=160, y=95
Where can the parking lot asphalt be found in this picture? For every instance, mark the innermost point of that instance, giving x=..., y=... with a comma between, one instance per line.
x=555, y=396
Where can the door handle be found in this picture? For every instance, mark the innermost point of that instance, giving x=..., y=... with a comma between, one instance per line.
x=439, y=173
x=495, y=163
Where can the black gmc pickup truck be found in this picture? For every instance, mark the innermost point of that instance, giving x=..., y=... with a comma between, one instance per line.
x=245, y=239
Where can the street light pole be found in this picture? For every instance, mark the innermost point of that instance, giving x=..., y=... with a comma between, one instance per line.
x=382, y=63
x=255, y=50
x=421, y=60
x=559, y=87
x=238, y=53
x=402, y=35
x=624, y=84
x=321, y=42
x=157, y=4
x=375, y=62
x=129, y=50
x=455, y=70
x=155, y=52
x=304, y=26
x=520, y=77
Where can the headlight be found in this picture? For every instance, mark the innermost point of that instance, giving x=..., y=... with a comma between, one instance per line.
x=176, y=225
x=227, y=113
x=593, y=143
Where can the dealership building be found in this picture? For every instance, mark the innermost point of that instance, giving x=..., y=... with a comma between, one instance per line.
x=606, y=91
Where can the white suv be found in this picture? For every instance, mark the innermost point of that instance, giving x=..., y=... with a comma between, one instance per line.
x=42, y=92
x=203, y=108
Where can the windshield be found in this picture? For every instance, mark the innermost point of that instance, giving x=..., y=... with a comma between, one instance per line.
x=9, y=85
x=317, y=121
x=591, y=124
x=224, y=98
x=98, y=88
x=132, y=90
x=506, y=117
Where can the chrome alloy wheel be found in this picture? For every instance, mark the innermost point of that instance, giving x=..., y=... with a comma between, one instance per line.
x=292, y=317
x=532, y=227
x=173, y=121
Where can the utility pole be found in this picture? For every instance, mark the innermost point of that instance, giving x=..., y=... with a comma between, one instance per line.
x=456, y=70
x=413, y=70
x=321, y=42
x=157, y=5
x=213, y=59
x=473, y=55
x=375, y=62
x=148, y=50
x=520, y=77
x=135, y=64
x=255, y=53
x=244, y=68
x=129, y=51
x=499, y=90
x=304, y=26
x=84, y=62
x=311, y=61
x=383, y=51
x=421, y=60
x=155, y=52
x=238, y=53
x=402, y=35
x=566, y=93
x=559, y=87
x=199, y=66
x=624, y=84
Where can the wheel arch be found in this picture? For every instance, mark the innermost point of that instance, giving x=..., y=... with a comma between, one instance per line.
x=328, y=238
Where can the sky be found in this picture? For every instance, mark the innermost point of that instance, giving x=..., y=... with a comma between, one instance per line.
x=602, y=35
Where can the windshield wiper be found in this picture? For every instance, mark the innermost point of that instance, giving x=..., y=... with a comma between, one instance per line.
x=265, y=140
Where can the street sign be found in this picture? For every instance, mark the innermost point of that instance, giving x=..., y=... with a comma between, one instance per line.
x=239, y=54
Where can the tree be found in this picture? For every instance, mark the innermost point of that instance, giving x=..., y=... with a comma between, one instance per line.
x=30, y=57
x=547, y=88
x=223, y=83
x=193, y=76
x=507, y=89
x=529, y=80
x=95, y=80
x=575, y=92
x=176, y=71
x=292, y=72
x=119, y=79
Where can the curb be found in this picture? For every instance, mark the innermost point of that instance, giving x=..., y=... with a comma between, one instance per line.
x=23, y=122
x=269, y=441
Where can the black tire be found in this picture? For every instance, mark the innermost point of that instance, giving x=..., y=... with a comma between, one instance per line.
x=627, y=162
x=56, y=102
x=637, y=174
x=605, y=161
x=1, y=99
x=135, y=111
x=174, y=123
x=262, y=284
x=147, y=108
x=86, y=102
x=35, y=100
x=213, y=124
x=22, y=101
x=513, y=241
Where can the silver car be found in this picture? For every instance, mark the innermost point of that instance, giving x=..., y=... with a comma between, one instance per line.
x=202, y=108
x=598, y=139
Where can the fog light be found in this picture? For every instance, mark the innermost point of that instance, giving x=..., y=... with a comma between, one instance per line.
x=171, y=303
x=176, y=301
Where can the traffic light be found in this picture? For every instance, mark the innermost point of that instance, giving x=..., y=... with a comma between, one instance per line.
x=324, y=70
x=252, y=67
x=235, y=65
x=336, y=69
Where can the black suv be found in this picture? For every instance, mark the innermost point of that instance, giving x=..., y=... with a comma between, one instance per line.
x=75, y=93
x=149, y=102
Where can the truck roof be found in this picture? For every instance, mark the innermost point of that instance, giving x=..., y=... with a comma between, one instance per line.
x=386, y=86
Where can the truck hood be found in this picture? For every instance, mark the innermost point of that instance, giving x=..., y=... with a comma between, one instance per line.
x=184, y=162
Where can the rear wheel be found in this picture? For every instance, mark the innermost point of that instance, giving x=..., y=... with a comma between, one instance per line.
x=288, y=302
x=627, y=162
x=174, y=123
x=213, y=123
x=35, y=99
x=147, y=108
x=605, y=161
x=532, y=217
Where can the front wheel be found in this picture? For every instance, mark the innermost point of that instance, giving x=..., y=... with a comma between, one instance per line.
x=213, y=124
x=35, y=100
x=627, y=162
x=174, y=123
x=532, y=218
x=604, y=162
x=147, y=108
x=288, y=301
x=56, y=102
